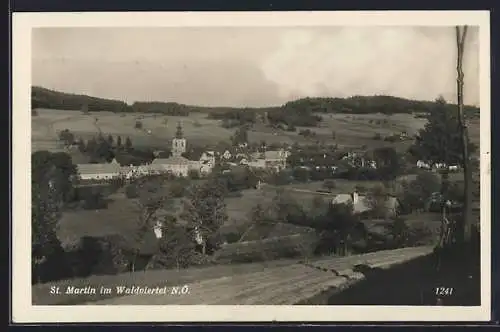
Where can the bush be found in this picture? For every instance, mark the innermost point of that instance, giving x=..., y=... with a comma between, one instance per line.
x=329, y=184
x=234, y=194
x=138, y=124
x=301, y=174
x=232, y=237
x=95, y=201
x=193, y=174
x=131, y=191
x=178, y=188
x=377, y=137
x=298, y=245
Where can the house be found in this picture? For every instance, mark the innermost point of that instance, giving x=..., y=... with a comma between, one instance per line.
x=423, y=164
x=438, y=166
x=208, y=157
x=176, y=165
x=243, y=161
x=98, y=171
x=357, y=159
x=271, y=159
x=259, y=163
x=134, y=172
x=206, y=162
x=362, y=204
x=226, y=155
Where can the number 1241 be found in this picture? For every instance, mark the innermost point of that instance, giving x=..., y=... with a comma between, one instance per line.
x=444, y=291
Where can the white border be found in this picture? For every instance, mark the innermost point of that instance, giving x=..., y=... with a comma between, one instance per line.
x=24, y=312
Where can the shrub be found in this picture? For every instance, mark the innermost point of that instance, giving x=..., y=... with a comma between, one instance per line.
x=234, y=194
x=131, y=191
x=194, y=174
x=138, y=124
x=377, y=137
x=232, y=237
x=268, y=249
x=329, y=184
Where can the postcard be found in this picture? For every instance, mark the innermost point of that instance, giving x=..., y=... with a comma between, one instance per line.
x=251, y=166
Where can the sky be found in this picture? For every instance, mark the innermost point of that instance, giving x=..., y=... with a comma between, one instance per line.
x=253, y=66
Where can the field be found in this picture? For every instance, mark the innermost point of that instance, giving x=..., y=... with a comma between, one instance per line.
x=283, y=285
x=159, y=129
x=275, y=282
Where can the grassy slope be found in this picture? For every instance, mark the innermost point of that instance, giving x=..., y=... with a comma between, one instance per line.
x=277, y=285
x=41, y=293
x=350, y=131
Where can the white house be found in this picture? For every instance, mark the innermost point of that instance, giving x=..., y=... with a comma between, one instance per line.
x=423, y=164
x=226, y=155
x=158, y=229
x=361, y=203
x=440, y=166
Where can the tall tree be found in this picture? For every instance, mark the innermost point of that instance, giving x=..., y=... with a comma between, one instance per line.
x=119, y=142
x=240, y=136
x=461, y=34
x=440, y=141
x=388, y=161
x=128, y=143
x=205, y=210
x=50, y=186
x=111, y=140
x=151, y=199
x=81, y=145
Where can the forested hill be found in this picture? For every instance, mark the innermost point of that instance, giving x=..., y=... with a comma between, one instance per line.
x=45, y=98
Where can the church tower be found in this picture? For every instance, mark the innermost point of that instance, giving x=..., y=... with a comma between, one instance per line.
x=179, y=142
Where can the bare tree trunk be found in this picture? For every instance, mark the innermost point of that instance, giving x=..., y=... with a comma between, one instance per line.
x=466, y=222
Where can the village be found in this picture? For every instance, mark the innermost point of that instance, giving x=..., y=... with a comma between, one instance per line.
x=268, y=202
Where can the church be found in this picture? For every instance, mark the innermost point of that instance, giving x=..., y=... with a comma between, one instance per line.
x=176, y=164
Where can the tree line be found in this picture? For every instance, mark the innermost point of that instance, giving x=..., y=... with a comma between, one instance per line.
x=302, y=112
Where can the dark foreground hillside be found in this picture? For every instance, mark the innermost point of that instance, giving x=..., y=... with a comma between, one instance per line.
x=415, y=282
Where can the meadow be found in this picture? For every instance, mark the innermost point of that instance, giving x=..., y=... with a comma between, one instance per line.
x=350, y=130
x=285, y=281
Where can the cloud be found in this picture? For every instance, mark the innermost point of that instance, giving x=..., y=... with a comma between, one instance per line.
x=408, y=62
x=252, y=66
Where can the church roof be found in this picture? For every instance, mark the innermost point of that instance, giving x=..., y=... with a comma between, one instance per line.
x=175, y=160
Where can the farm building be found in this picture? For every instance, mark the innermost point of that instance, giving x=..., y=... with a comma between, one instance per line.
x=361, y=204
x=99, y=171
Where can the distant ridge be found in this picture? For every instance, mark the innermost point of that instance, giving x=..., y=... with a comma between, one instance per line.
x=46, y=98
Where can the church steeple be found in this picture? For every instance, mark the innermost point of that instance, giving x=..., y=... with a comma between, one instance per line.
x=178, y=133
x=179, y=142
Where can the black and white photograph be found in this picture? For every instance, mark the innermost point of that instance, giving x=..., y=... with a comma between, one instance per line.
x=256, y=167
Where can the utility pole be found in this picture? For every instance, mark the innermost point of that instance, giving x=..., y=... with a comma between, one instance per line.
x=466, y=222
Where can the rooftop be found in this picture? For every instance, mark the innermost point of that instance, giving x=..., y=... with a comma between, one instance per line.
x=175, y=160
x=98, y=168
